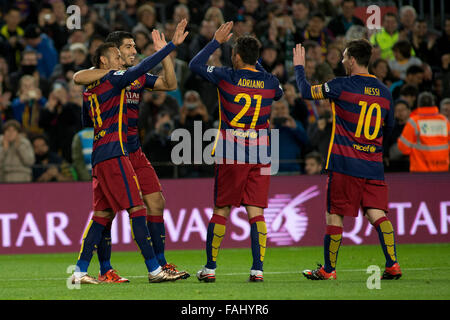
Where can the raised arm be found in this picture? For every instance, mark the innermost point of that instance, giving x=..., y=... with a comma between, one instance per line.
x=168, y=81
x=299, y=58
x=198, y=63
x=88, y=76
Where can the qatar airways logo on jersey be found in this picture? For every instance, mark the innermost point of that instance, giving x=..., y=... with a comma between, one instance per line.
x=286, y=217
x=132, y=97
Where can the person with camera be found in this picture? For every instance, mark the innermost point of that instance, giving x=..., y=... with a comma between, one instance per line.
x=292, y=136
x=26, y=107
x=16, y=154
x=60, y=119
x=194, y=113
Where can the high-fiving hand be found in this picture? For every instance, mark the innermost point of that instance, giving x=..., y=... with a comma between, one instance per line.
x=180, y=34
x=159, y=40
x=299, y=55
x=223, y=34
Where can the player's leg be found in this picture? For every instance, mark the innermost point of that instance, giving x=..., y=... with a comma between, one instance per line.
x=214, y=236
x=385, y=230
x=91, y=238
x=258, y=236
x=344, y=194
x=107, y=272
x=375, y=204
x=255, y=199
x=155, y=202
x=141, y=236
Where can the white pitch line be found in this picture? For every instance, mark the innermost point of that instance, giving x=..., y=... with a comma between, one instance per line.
x=243, y=273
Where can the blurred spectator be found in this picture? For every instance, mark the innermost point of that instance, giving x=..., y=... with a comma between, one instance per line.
x=193, y=113
x=313, y=163
x=339, y=25
x=65, y=69
x=61, y=119
x=182, y=53
x=13, y=33
x=59, y=9
x=292, y=137
x=387, y=37
x=300, y=14
x=157, y=145
x=402, y=59
x=214, y=14
x=123, y=14
x=394, y=160
x=442, y=46
x=27, y=106
x=425, y=137
x=146, y=16
x=142, y=38
x=28, y=66
x=81, y=154
x=153, y=103
x=445, y=108
x=414, y=77
x=193, y=110
x=380, y=69
x=35, y=39
x=319, y=133
x=297, y=107
x=253, y=8
x=49, y=25
x=94, y=43
x=316, y=31
x=325, y=6
x=6, y=112
x=205, y=35
x=408, y=17
x=409, y=93
x=334, y=60
x=423, y=42
x=272, y=64
x=16, y=154
x=49, y=166
x=80, y=56
x=228, y=8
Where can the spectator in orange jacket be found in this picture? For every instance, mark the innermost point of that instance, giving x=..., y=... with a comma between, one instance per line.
x=426, y=137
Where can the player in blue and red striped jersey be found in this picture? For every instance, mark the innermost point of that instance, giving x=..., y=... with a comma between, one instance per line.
x=245, y=98
x=362, y=111
x=115, y=185
x=147, y=177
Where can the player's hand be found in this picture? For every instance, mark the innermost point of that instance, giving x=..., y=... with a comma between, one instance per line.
x=180, y=34
x=159, y=40
x=299, y=55
x=223, y=34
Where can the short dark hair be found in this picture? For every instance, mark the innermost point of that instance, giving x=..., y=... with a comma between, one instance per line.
x=248, y=49
x=426, y=99
x=409, y=90
x=117, y=37
x=414, y=69
x=102, y=50
x=403, y=47
x=361, y=50
x=316, y=156
x=390, y=14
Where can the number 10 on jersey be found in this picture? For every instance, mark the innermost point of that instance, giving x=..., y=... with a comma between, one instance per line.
x=365, y=118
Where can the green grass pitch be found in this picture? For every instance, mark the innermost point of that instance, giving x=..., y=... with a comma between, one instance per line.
x=426, y=275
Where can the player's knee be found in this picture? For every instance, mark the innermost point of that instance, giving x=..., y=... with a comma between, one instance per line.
x=155, y=204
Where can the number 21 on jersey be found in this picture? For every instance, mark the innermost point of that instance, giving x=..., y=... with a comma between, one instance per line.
x=248, y=101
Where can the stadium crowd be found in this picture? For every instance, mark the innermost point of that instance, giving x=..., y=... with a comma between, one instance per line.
x=40, y=105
